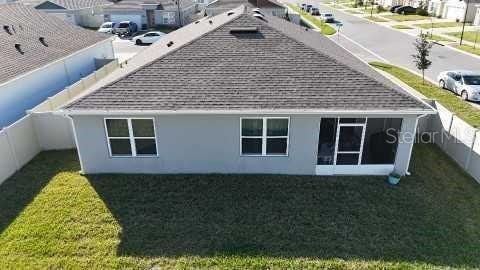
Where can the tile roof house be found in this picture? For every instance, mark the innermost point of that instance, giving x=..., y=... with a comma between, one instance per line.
x=245, y=93
x=151, y=13
x=40, y=57
x=86, y=13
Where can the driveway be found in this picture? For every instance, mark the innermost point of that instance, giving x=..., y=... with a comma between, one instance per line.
x=372, y=41
x=125, y=49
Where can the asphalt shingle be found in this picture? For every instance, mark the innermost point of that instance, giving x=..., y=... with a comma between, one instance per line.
x=281, y=67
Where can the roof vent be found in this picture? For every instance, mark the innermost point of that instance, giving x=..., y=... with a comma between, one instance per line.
x=243, y=30
x=260, y=16
x=210, y=22
x=257, y=11
x=42, y=40
x=7, y=29
x=169, y=44
x=19, y=48
x=230, y=13
x=197, y=22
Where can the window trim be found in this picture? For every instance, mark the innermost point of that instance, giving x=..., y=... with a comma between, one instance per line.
x=131, y=137
x=264, y=136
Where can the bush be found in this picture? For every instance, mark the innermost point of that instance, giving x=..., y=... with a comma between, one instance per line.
x=380, y=9
x=422, y=11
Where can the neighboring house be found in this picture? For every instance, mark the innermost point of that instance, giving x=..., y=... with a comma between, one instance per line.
x=455, y=10
x=476, y=20
x=269, y=7
x=238, y=93
x=87, y=13
x=41, y=55
x=151, y=13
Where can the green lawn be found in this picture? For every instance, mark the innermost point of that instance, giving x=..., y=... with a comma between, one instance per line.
x=54, y=218
x=403, y=18
x=375, y=19
x=401, y=26
x=462, y=109
x=469, y=49
x=438, y=25
x=467, y=35
x=438, y=38
x=354, y=11
x=325, y=28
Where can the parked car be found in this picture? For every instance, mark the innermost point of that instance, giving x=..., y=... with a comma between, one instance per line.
x=148, y=38
x=393, y=8
x=328, y=17
x=315, y=11
x=106, y=27
x=308, y=8
x=125, y=28
x=405, y=10
x=303, y=6
x=462, y=82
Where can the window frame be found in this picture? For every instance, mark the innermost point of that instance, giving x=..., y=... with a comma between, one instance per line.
x=131, y=137
x=264, y=136
x=337, y=142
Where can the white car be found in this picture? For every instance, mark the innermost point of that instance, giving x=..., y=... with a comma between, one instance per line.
x=106, y=27
x=462, y=82
x=148, y=38
x=328, y=17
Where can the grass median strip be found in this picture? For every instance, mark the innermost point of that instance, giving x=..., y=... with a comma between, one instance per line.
x=324, y=28
x=401, y=26
x=376, y=19
x=469, y=49
x=404, y=18
x=438, y=25
x=438, y=38
x=467, y=35
x=461, y=108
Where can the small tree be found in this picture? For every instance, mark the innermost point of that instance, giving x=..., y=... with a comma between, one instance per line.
x=422, y=46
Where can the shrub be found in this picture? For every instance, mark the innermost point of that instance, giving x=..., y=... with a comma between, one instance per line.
x=380, y=9
x=422, y=11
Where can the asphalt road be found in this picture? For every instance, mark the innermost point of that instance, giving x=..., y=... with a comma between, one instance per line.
x=375, y=42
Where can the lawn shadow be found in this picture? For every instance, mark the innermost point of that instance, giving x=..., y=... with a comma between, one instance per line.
x=20, y=189
x=299, y=216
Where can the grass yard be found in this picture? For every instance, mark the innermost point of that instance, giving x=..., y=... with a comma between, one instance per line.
x=469, y=49
x=438, y=38
x=467, y=35
x=325, y=28
x=462, y=109
x=401, y=26
x=375, y=19
x=353, y=11
x=54, y=218
x=438, y=25
x=403, y=18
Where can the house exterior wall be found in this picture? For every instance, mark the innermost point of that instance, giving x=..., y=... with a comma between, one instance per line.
x=209, y=144
x=23, y=93
x=476, y=20
x=455, y=10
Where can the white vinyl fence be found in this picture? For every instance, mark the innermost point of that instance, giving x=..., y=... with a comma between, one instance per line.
x=42, y=129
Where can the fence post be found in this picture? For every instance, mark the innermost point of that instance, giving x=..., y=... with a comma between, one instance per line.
x=50, y=103
x=451, y=123
x=470, y=152
x=12, y=149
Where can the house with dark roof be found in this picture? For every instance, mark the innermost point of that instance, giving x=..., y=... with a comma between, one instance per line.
x=244, y=92
x=151, y=13
x=41, y=55
x=86, y=13
x=215, y=7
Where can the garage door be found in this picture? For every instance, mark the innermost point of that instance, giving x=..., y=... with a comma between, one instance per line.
x=116, y=18
x=455, y=13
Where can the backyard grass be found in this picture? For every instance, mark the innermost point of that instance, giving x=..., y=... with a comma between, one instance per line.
x=467, y=35
x=403, y=18
x=462, y=109
x=401, y=26
x=469, y=49
x=324, y=28
x=438, y=25
x=375, y=19
x=51, y=217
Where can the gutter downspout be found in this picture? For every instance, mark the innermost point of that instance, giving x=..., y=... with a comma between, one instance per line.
x=410, y=155
x=75, y=139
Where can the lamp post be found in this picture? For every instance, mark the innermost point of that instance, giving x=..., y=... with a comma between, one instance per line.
x=464, y=21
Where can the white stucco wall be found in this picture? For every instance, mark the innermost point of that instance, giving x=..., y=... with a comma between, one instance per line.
x=24, y=92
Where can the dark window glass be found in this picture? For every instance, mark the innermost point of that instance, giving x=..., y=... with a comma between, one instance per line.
x=347, y=159
x=251, y=146
x=352, y=120
x=143, y=128
x=326, y=141
x=381, y=140
x=350, y=139
x=252, y=127
x=120, y=147
x=276, y=146
x=277, y=127
x=117, y=127
x=145, y=146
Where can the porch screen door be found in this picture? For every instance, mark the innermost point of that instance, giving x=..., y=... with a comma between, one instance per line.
x=349, y=143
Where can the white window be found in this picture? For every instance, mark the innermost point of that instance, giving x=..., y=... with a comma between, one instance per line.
x=169, y=18
x=264, y=136
x=131, y=137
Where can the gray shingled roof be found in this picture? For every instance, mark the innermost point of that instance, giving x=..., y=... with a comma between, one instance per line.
x=26, y=26
x=69, y=4
x=137, y=4
x=282, y=67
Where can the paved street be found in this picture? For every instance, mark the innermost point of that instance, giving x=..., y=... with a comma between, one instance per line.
x=126, y=49
x=372, y=41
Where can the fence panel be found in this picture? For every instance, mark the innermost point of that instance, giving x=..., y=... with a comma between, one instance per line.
x=474, y=164
x=8, y=164
x=53, y=131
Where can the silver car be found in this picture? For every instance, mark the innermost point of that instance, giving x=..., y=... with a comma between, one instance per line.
x=462, y=82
